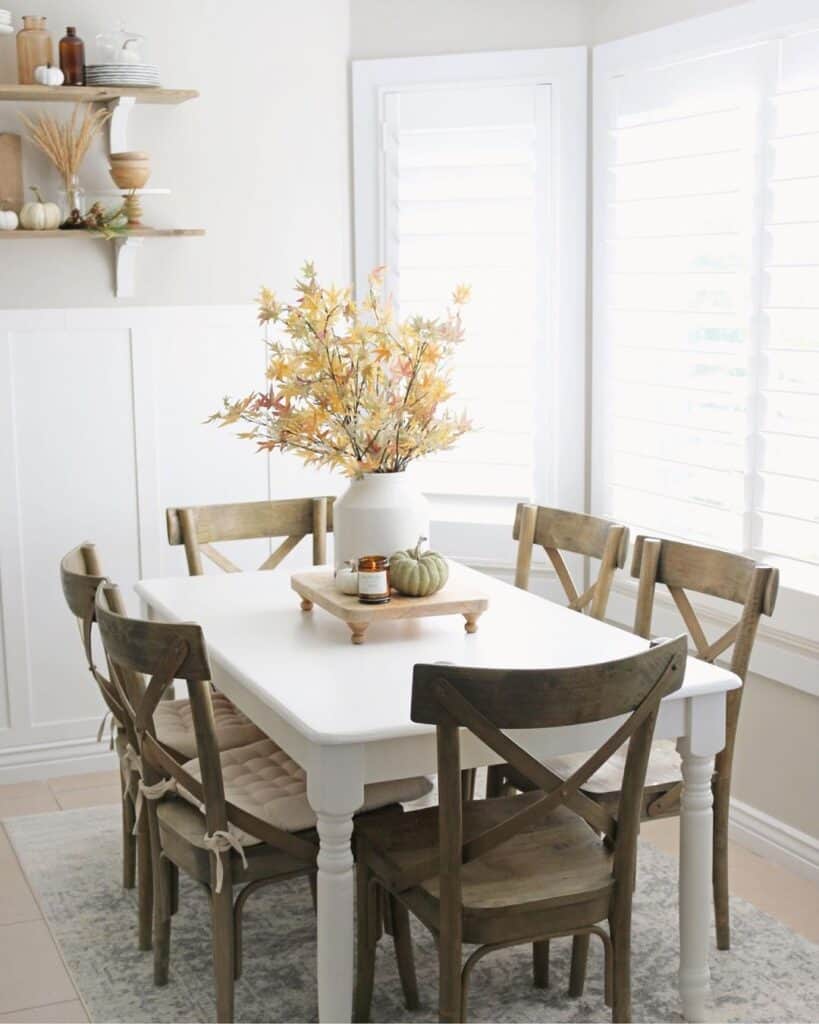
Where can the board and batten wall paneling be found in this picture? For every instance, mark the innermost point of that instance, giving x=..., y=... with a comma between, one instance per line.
x=101, y=427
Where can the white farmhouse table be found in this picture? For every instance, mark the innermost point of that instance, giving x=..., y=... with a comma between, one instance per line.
x=342, y=712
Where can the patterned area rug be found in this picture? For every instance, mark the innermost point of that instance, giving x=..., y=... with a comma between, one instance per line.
x=72, y=860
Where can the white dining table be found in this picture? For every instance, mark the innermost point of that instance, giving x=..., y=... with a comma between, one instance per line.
x=342, y=712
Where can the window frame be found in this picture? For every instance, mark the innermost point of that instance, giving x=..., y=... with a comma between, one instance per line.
x=561, y=477
x=788, y=651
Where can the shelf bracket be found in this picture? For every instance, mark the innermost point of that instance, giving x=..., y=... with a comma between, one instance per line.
x=118, y=124
x=126, y=254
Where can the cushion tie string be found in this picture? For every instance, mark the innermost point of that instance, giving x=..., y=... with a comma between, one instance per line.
x=101, y=730
x=132, y=760
x=220, y=842
x=155, y=792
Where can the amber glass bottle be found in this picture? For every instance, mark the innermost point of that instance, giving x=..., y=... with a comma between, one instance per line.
x=72, y=57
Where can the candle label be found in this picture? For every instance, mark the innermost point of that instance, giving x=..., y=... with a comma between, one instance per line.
x=372, y=584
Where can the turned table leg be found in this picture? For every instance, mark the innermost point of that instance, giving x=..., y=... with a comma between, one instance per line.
x=358, y=629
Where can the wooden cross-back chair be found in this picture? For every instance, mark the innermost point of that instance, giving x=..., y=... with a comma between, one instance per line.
x=558, y=531
x=683, y=568
x=251, y=832
x=198, y=528
x=81, y=575
x=524, y=868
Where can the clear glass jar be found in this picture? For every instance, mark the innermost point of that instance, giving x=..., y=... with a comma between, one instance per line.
x=120, y=46
x=373, y=579
x=72, y=203
x=34, y=47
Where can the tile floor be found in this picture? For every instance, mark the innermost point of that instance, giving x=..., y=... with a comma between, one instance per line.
x=35, y=986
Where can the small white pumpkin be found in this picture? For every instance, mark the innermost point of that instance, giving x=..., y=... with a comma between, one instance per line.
x=40, y=216
x=8, y=220
x=45, y=74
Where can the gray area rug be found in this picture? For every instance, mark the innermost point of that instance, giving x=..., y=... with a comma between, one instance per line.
x=72, y=860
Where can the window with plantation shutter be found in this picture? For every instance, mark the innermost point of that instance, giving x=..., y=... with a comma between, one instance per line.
x=706, y=326
x=469, y=170
x=465, y=201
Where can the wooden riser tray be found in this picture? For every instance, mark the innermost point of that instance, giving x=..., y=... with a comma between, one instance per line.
x=318, y=587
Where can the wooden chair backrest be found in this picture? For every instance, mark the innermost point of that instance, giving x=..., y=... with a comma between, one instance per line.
x=166, y=652
x=292, y=518
x=486, y=701
x=690, y=567
x=557, y=530
x=80, y=575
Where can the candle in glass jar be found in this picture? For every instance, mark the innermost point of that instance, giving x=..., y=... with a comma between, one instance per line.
x=373, y=579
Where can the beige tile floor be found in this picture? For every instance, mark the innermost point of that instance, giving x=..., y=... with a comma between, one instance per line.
x=35, y=986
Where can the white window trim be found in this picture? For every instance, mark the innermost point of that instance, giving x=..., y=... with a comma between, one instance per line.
x=565, y=70
x=787, y=651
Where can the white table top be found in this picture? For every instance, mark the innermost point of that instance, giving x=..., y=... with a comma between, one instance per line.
x=303, y=665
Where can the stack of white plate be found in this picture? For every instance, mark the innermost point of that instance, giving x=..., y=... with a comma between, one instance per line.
x=127, y=75
x=6, y=27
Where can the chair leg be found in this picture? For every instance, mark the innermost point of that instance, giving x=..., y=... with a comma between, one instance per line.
x=402, y=940
x=221, y=905
x=452, y=987
x=468, y=783
x=722, y=791
x=540, y=963
x=145, y=887
x=494, y=780
x=369, y=910
x=128, y=838
x=580, y=955
x=313, y=891
x=164, y=872
x=621, y=970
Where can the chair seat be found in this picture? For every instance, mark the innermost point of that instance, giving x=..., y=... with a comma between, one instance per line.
x=558, y=861
x=173, y=720
x=182, y=830
x=663, y=770
x=263, y=781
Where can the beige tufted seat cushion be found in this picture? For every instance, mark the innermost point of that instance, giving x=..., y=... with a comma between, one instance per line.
x=663, y=769
x=262, y=780
x=174, y=725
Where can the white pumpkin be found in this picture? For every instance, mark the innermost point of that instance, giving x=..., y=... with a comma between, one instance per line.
x=45, y=74
x=8, y=220
x=40, y=216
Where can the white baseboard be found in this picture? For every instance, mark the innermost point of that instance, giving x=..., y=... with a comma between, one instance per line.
x=51, y=760
x=774, y=840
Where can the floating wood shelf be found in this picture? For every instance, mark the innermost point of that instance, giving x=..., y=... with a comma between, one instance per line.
x=91, y=94
x=120, y=101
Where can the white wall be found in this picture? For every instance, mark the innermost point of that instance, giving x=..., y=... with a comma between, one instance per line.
x=260, y=159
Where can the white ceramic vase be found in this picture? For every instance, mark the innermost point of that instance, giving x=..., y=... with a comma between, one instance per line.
x=378, y=514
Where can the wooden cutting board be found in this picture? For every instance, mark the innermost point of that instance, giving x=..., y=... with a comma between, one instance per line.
x=11, y=172
x=318, y=587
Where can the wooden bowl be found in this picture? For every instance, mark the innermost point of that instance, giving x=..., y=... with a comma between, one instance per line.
x=128, y=174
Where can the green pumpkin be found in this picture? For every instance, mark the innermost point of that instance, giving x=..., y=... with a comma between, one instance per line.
x=416, y=573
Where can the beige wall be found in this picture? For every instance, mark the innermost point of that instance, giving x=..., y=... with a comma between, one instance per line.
x=407, y=28
x=614, y=19
x=777, y=758
x=260, y=160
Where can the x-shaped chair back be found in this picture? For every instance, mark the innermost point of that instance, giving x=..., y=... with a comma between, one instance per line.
x=556, y=531
x=197, y=528
x=690, y=567
x=487, y=701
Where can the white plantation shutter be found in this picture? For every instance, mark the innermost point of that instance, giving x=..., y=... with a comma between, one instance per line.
x=706, y=342
x=465, y=190
x=788, y=498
